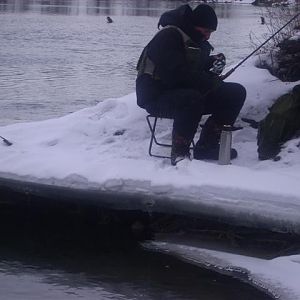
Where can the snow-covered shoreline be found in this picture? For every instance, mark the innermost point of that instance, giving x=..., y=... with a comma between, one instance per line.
x=105, y=148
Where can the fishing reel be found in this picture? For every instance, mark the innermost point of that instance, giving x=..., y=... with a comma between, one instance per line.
x=219, y=64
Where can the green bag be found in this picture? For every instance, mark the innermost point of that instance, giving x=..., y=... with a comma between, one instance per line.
x=280, y=125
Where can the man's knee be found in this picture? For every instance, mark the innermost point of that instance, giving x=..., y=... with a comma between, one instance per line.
x=236, y=94
x=239, y=93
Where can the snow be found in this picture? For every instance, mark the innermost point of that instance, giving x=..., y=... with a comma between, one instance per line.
x=278, y=277
x=105, y=148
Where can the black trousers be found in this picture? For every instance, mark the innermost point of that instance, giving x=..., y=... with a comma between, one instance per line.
x=186, y=106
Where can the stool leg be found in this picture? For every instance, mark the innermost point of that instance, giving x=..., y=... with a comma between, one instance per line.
x=153, y=138
x=152, y=130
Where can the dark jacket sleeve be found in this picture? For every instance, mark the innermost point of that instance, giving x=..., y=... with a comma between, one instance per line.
x=167, y=51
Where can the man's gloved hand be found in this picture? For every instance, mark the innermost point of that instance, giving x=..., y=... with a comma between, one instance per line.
x=218, y=64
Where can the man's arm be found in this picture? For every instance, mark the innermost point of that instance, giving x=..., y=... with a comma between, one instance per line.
x=167, y=51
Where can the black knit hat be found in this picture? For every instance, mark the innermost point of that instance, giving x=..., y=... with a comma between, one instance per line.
x=205, y=16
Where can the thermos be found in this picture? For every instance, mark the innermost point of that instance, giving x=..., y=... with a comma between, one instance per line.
x=225, y=145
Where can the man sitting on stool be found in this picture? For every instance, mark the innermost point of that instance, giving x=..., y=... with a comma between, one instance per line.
x=177, y=77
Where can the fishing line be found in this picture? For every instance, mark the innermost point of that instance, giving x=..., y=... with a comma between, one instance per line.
x=240, y=63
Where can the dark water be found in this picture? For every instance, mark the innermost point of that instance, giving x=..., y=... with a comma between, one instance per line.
x=52, y=250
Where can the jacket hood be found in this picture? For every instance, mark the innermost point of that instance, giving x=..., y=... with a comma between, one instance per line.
x=181, y=17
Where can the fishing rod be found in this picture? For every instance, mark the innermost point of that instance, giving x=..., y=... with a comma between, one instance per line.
x=7, y=142
x=240, y=63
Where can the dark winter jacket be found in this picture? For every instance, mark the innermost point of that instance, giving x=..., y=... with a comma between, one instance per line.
x=179, y=56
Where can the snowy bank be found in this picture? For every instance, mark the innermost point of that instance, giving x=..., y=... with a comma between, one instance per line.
x=278, y=277
x=104, y=149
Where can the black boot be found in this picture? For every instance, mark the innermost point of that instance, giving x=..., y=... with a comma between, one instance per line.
x=180, y=148
x=208, y=145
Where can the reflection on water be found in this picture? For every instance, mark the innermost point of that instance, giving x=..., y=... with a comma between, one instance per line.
x=102, y=7
x=90, y=7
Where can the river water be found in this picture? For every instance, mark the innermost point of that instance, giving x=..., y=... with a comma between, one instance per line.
x=57, y=57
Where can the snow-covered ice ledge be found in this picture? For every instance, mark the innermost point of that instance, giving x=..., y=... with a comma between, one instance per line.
x=229, y=205
x=102, y=150
x=278, y=277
